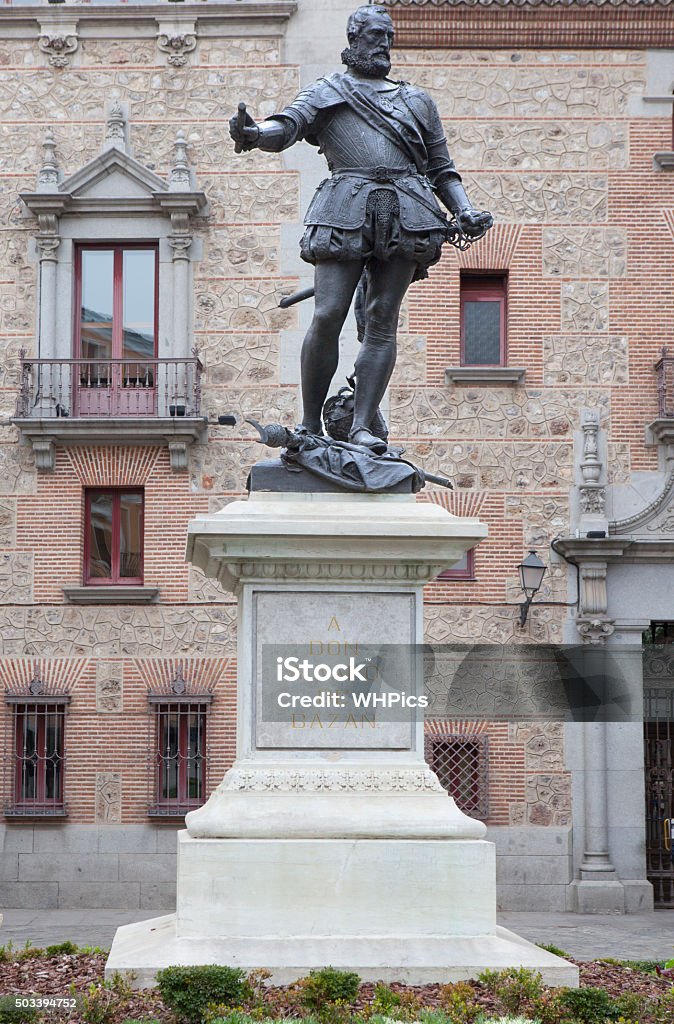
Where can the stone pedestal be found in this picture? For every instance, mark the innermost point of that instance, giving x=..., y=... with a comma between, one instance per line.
x=330, y=841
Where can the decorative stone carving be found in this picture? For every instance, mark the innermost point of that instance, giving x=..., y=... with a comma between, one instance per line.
x=592, y=500
x=595, y=630
x=594, y=252
x=593, y=593
x=45, y=454
x=526, y=198
x=180, y=178
x=177, y=46
x=180, y=245
x=109, y=687
x=490, y=412
x=7, y=523
x=59, y=45
x=116, y=127
x=48, y=175
x=108, y=804
x=585, y=306
x=655, y=517
x=16, y=577
x=336, y=780
x=538, y=145
x=332, y=571
x=585, y=359
x=590, y=466
x=480, y=93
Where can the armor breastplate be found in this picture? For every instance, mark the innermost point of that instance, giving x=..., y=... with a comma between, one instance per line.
x=349, y=141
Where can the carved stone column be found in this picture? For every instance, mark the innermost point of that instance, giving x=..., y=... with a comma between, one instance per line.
x=47, y=242
x=592, y=489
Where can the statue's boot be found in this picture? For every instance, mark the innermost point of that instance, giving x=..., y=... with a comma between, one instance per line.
x=366, y=439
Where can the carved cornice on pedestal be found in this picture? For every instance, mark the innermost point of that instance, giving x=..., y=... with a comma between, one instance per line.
x=331, y=780
x=339, y=539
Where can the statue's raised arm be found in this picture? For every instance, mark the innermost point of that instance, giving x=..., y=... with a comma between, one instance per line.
x=377, y=217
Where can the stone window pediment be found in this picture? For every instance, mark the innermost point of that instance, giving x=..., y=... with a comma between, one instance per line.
x=112, y=199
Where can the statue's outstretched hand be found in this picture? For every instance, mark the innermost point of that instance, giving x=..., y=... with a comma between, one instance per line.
x=475, y=223
x=245, y=135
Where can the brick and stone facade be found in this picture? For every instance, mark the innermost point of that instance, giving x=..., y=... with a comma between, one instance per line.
x=560, y=118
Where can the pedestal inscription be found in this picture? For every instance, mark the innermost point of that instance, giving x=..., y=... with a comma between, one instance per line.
x=339, y=632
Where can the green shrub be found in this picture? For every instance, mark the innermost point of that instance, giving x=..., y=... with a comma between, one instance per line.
x=438, y=1017
x=588, y=1005
x=221, y=1015
x=551, y=948
x=329, y=985
x=11, y=1014
x=61, y=949
x=459, y=1002
x=508, y=1020
x=189, y=991
x=517, y=988
x=101, y=1003
x=646, y=966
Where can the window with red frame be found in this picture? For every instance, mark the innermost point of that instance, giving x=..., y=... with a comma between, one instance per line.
x=463, y=570
x=113, y=544
x=38, y=758
x=117, y=299
x=180, y=756
x=483, y=319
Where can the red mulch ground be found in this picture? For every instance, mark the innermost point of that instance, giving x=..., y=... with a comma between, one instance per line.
x=55, y=975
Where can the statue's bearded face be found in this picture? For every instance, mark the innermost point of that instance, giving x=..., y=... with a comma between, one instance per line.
x=369, y=49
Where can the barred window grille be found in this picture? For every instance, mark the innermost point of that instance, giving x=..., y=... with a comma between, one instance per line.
x=180, y=755
x=39, y=760
x=460, y=762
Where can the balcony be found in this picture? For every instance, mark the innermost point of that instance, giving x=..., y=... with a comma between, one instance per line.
x=110, y=401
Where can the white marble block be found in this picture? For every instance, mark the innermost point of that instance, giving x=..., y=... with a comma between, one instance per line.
x=330, y=841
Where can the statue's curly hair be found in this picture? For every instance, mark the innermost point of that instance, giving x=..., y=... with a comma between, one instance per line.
x=360, y=17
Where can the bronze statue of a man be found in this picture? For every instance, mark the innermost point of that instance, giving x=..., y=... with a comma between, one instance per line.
x=378, y=212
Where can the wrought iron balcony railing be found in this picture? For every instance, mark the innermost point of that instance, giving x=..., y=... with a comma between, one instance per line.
x=665, y=371
x=53, y=389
